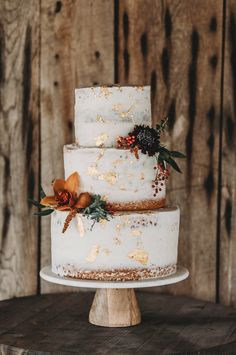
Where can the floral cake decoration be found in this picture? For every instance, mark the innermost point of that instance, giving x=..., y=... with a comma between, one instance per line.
x=66, y=198
x=147, y=140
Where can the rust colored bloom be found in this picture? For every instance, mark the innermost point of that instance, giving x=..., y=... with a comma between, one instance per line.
x=66, y=196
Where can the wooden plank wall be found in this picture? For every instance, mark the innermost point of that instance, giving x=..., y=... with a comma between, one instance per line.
x=227, y=246
x=76, y=50
x=19, y=146
x=186, y=51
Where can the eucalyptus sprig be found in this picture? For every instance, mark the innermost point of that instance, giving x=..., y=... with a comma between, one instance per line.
x=97, y=210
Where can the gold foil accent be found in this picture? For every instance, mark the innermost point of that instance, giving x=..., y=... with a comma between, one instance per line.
x=101, y=119
x=118, y=226
x=117, y=107
x=117, y=241
x=117, y=162
x=125, y=220
x=100, y=155
x=105, y=198
x=105, y=91
x=123, y=114
x=103, y=222
x=93, y=254
x=107, y=251
x=80, y=226
x=109, y=177
x=139, y=255
x=136, y=232
x=126, y=114
x=139, y=88
x=122, y=188
x=100, y=140
x=92, y=171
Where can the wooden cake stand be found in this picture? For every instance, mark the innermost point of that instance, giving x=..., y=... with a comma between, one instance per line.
x=115, y=303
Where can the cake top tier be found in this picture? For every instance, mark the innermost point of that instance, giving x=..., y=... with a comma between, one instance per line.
x=106, y=112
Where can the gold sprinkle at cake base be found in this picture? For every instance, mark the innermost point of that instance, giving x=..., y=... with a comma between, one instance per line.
x=138, y=205
x=117, y=274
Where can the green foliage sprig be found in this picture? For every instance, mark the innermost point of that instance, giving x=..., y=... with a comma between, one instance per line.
x=97, y=210
x=43, y=210
x=165, y=155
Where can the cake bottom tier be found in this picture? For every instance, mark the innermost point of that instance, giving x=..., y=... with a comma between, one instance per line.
x=130, y=246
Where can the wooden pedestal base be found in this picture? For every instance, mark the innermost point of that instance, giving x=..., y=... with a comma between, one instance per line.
x=115, y=308
x=115, y=303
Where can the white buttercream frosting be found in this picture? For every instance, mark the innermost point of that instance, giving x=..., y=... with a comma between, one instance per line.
x=128, y=240
x=104, y=113
x=114, y=173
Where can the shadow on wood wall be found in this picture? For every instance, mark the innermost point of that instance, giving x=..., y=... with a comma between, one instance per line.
x=186, y=50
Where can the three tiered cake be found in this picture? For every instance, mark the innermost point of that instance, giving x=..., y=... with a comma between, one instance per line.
x=140, y=239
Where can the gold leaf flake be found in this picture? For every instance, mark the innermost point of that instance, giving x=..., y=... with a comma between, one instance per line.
x=136, y=232
x=139, y=88
x=117, y=241
x=100, y=155
x=105, y=91
x=105, y=198
x=122, y=188
x=127, y=113
x=92, y=171
x=109, y=177
x=107, y=251
x=100, y=140
x=103, y=222
x=117, y=162
x=142, y=176
x=93, y=253
x=80, y=226
x=100, y=119
x=125, y=220
x=117, y=107
x=139, y=255
x=118, y=227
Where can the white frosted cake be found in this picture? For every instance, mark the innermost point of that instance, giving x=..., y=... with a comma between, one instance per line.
x=109, y=220
x=131, y=246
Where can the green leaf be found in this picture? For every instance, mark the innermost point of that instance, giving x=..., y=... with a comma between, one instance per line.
x=35, y=203
x=43, y=213
x=161, y=126
x=176, y=154
x=173, y=164
x=41, y=192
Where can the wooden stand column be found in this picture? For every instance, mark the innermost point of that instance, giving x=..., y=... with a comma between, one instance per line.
x=115, y=308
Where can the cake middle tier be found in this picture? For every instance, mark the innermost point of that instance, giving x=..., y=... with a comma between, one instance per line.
x=117, y=175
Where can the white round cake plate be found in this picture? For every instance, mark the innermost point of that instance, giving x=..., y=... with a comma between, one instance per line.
x=115, y=303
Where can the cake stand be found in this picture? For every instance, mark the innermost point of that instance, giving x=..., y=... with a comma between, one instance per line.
x=115, y=303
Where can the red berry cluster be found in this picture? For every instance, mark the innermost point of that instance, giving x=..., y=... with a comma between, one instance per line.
x=161, y=176
x=125, y=142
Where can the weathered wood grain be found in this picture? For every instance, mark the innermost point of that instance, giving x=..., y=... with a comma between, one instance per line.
x=115, y=308
x=59, y=324
x=77, y=49
x=176, y=47
x=227, y=275
x=19, y=160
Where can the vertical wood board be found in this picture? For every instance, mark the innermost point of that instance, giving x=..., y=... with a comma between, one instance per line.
x=77, y=50
x=227, y=282
x=176, y=47
x=19, y=160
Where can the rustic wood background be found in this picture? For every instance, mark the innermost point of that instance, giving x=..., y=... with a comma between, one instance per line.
x=186, y=50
